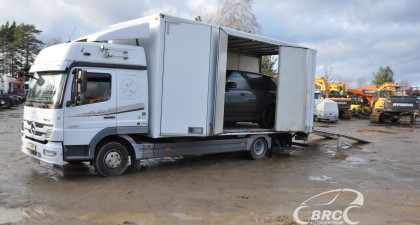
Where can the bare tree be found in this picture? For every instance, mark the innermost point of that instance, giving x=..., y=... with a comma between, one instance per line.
x=54, y=41
x=234, y=14
x=329, y=74
x=361, y=83
x=405, y=83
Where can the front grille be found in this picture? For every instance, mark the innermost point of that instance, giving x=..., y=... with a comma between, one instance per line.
x=38, y=125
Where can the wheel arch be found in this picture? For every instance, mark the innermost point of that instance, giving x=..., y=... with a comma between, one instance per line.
x=109, y=135
x=119, y=139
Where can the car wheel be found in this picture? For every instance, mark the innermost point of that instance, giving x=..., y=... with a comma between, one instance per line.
x=7, y=103
x=111, y=159
x=267, y=117
x=259, y=148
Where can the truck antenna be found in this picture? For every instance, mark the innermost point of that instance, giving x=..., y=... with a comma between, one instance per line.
x=72, y=33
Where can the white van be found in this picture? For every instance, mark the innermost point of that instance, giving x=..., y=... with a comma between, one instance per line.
x=326, y=110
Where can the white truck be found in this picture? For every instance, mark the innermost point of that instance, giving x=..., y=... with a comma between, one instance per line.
x=155, y=87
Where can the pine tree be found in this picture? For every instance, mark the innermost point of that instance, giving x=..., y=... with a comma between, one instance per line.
x=19, y=46
x=383, y=75
x=267, y=65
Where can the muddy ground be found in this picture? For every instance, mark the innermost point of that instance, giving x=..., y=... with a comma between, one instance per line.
x=222, y=188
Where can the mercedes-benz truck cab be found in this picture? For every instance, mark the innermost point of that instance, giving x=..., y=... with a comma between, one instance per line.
x=81, y=90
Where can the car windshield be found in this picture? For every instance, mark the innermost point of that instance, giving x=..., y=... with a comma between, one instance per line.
x=46, y=89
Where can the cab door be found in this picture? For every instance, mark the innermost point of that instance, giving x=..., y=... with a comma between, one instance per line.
x=96, y=112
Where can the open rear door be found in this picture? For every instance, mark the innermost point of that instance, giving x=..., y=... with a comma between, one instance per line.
x=185, y=80
x=219, y=107
x=294, y=108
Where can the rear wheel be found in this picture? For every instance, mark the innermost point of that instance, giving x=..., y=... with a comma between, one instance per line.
x=111, y=159
x=267, y=117
x=259, y=148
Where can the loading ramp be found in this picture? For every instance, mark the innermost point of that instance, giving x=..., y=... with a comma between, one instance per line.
x=337, y=136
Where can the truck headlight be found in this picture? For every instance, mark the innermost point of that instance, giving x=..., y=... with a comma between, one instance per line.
x=48, y=134
x=49, y=153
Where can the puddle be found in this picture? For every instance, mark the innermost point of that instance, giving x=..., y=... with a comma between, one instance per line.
x=330, y=149
x=184, y=216
x=345, y=146
x=321, y=178
x=130, y=218
x=355, y=160
x=10, y=215
x=340, y=156
x=21, y=214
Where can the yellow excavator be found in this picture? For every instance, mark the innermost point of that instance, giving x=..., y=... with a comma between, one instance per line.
x=388, y=102
x=335, y=92
x=338, y=88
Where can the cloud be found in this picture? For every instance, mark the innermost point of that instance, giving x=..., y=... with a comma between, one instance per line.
x=355, y=37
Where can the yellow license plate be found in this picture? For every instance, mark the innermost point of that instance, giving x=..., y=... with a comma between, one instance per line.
x=32, y=146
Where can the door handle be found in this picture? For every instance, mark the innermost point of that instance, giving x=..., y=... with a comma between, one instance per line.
x=109, y=117
x=243, y=94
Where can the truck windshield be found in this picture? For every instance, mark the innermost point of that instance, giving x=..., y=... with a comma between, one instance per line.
x=46, y=89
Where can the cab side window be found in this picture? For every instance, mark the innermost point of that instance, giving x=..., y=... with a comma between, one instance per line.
x=98, y=88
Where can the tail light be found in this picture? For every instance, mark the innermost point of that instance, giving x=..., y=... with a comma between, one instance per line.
x=388, y=103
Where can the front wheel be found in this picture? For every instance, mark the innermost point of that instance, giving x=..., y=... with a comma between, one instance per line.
x=111, y=159
x=259, y=148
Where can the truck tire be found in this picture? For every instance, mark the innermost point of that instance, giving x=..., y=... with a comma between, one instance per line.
x=111, y=159
x=267, y=117
x=259, y=148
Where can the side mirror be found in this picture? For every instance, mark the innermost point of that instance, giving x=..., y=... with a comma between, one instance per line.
x=81, y=81
x=78, y=90
x=231, y=85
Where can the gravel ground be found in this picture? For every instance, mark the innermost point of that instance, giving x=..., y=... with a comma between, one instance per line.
x=223, y=188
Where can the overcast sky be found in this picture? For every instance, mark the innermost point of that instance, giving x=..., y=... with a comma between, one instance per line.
x=353, y=37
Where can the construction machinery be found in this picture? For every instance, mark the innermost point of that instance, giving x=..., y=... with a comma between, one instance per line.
x=338, y=88
x=335, y=92
x=360, y=106
x=387, y=102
